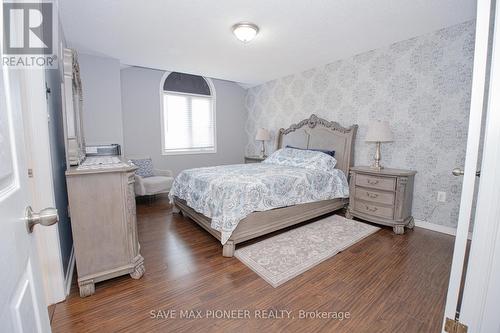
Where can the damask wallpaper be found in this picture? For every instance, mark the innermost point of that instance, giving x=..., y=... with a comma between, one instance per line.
x=420, y=85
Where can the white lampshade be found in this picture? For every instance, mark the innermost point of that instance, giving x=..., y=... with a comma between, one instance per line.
x=262, y=135
x=379, y=131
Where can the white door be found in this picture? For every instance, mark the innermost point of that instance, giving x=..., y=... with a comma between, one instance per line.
x=481, y=296
x=468, y=310
x=22, y=308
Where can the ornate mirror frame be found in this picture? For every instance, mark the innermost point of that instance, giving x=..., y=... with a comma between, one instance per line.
x=71, y=88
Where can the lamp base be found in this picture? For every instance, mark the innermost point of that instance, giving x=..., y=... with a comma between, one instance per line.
x=263, y=150
x=375, y=167
x=376, y=161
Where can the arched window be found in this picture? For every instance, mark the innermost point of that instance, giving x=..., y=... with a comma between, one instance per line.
x=188, y=114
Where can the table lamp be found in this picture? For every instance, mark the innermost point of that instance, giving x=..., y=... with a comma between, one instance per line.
x=378, y=131
x=263, y=135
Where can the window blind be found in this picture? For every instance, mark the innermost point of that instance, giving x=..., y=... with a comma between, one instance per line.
x=186, y=83
x=189, y=124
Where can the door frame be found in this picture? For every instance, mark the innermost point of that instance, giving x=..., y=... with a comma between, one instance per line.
x=481, y=293
x=481, y=297
x=479, y=82
x=41, y=183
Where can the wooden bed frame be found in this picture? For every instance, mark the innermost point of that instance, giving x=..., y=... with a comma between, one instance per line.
x=313, y=132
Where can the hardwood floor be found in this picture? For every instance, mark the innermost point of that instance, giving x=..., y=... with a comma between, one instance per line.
x=387, y=283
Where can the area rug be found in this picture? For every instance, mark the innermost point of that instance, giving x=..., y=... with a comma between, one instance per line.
x=282, y=257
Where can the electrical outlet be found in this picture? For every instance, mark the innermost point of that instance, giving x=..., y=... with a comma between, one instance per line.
x=441, y=197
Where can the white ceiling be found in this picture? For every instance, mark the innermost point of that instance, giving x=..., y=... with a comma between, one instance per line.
x=194, y=36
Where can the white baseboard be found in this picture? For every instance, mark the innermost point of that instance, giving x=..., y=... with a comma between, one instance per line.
x=69, y=273
x=438, y=228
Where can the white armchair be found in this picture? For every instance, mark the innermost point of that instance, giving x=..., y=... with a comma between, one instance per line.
x=160, y=182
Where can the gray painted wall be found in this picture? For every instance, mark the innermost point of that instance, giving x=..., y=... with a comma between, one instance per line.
x=142, y=127
x=58, y=158
x=102, y=116
x=421, y=86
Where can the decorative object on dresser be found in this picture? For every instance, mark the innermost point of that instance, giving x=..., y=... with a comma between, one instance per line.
x=112, y=149
x=253, y=159
x=151, y=181
x=382, y=196
x=263, y=135
x=378, y=131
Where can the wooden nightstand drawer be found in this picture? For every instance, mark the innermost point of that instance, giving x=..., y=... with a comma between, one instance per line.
x=374, y=209
x=374, y=195
x=381, y=183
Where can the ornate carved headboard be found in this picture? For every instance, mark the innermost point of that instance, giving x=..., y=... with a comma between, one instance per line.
x=319, y=133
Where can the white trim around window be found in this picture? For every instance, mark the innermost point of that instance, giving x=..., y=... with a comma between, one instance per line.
x=162, y=94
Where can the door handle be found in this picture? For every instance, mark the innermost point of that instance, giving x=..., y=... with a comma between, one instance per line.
x=460, y=172
x=46, y=217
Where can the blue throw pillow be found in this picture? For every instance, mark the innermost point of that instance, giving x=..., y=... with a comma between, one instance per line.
x=328, y=152
x=145, y=167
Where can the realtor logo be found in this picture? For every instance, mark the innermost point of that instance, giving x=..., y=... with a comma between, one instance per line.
x=29, y=35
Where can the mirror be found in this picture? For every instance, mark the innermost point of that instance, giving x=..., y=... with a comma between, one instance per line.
x=72, y=108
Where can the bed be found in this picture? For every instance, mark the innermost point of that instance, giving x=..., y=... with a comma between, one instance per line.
x=310, y=133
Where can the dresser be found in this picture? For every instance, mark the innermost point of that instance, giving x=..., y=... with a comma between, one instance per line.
x=254, y=159
x=101, y=198
x=382, y=196
x=103, y=221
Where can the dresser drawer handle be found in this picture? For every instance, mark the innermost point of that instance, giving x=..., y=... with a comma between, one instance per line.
x=371, y=195
x=372, y=182
x=371, y=209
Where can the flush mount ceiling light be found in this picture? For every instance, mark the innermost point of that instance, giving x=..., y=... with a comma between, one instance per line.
x=245, y=31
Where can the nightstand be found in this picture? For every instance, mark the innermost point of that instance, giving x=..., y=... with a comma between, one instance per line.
x=254, y=159
x=382, y=197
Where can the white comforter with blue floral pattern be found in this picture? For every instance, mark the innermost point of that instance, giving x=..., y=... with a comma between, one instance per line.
x=227, y=194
